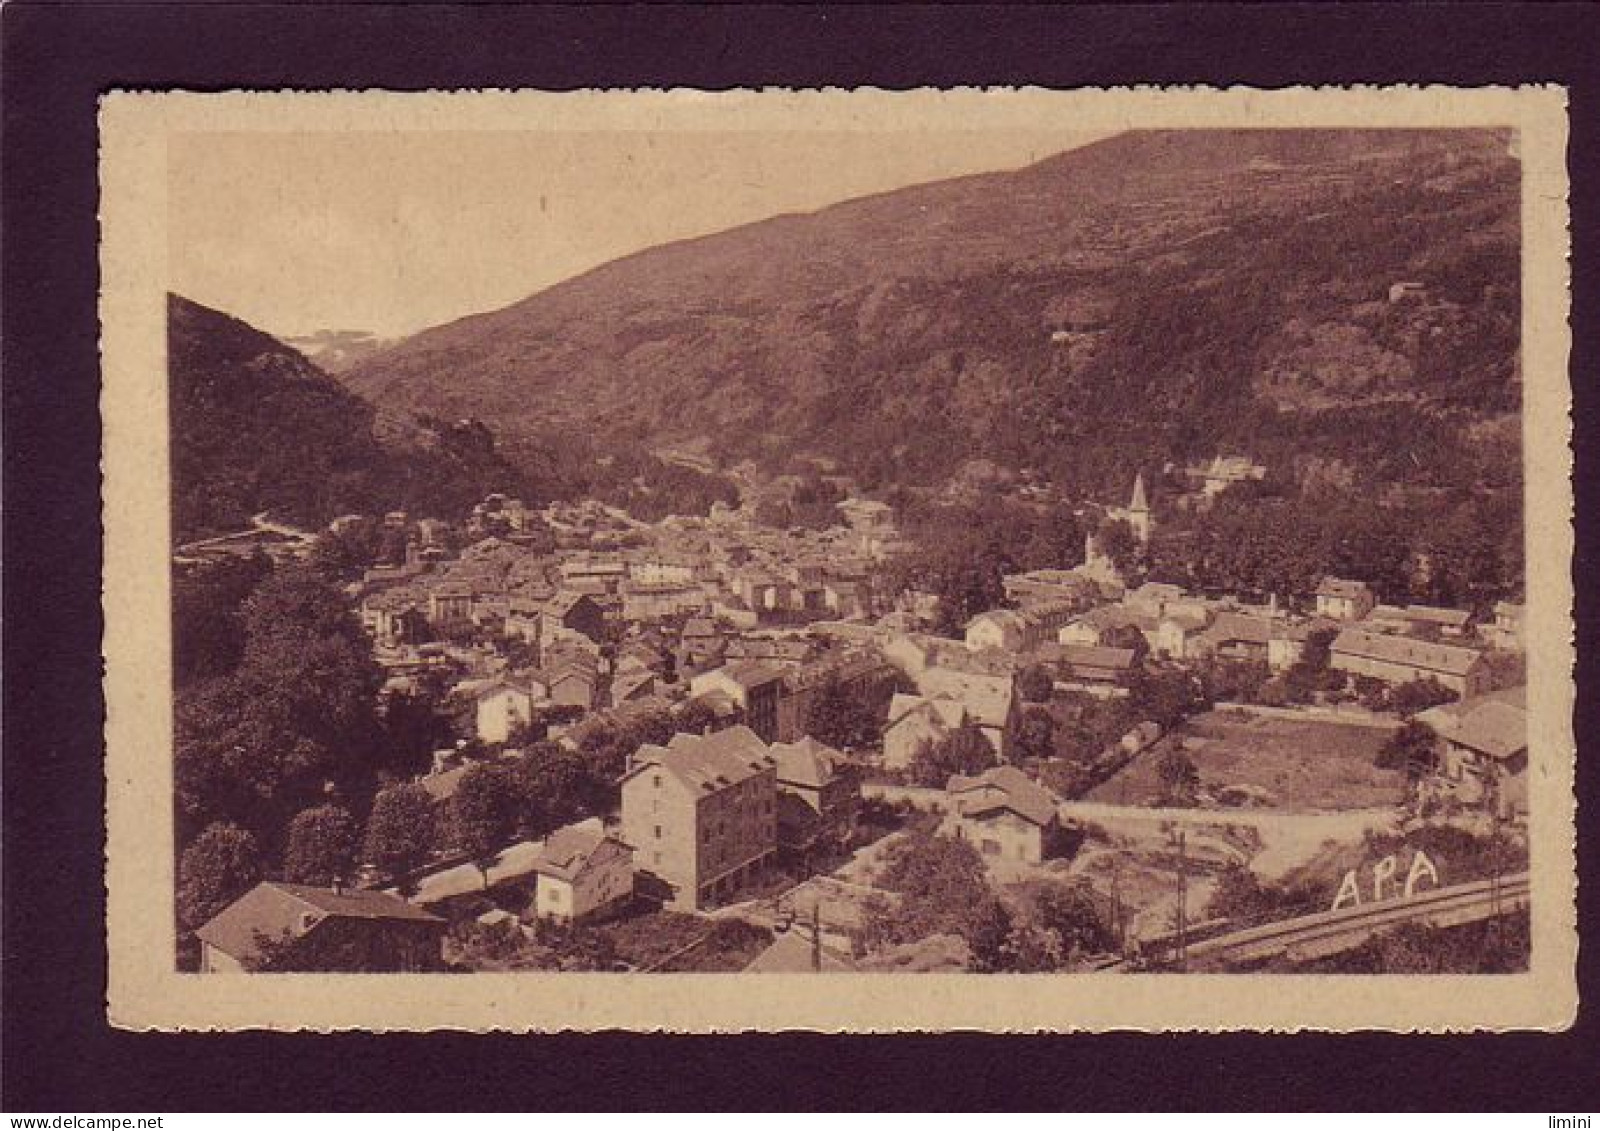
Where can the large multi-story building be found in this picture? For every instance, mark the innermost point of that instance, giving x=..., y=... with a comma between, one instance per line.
x=701, y=814
x=1401, y=659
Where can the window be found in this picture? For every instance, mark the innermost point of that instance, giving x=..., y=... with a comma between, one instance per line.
x=991, y=847
x=656, y=780
x=658, y=832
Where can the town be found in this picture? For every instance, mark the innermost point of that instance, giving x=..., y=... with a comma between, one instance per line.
x=712, y=742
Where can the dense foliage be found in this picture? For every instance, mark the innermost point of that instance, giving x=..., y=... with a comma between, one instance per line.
x=256, y=427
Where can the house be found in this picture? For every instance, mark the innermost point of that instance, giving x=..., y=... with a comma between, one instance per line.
x=1412, y=619
x=916, y=720
x=1401, y=659
x=1507, y=631
x=569, y=613
x=700, y=645
x=593, y=574
x=819, y=794
x=1235, y=636
x=990, y=701
x=1089, y=663
x=1099, y=626
x=701, y=814
x=352, y=930
x=1176, y=632
x=507, y=703
x=1018, y=630
x=1049, y=587
x=631, y=683
x=754, y=685
x=642, y=601
x=1339, y=599
x=574, y=683
x=793, y=952
x=449, y=604
x=1004, y=814
x=1224, y=471
x=1484, y=755
x=584, y=874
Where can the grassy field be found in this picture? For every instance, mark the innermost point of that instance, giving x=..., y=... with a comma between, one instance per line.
x=1292, y=763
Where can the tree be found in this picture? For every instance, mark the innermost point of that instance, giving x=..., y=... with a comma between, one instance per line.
x=485, y=812
x=400, y=831
x=1414, y=749
x=322, y=846
x=964, y=750
x=942, y=889
x=1068, y=911
x=414, y=724
x=1036, y=736
x=851, y=716
x=219, y=866
x=1178, y=775
x=1419, y=695
x=207, y=633
x=1035, y=684
x=1119, y=543
x=1168, y=696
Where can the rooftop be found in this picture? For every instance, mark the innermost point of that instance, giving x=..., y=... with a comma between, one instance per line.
x=274, y=909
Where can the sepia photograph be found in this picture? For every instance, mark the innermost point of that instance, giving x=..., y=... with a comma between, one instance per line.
x=847, y=561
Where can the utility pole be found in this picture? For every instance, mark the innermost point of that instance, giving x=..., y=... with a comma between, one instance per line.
x=1116, y=907
x=1183, y=901
x=816, y=935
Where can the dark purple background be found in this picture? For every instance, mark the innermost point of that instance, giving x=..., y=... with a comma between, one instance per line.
x=59, y=1055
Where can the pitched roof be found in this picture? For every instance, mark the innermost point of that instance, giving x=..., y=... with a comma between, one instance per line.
x=987, y=699
x=273, y=909
x=807, y=763
x=569, y=848
x=1340, y=587
x=1232, y=627
x=1426, y=614
x=1450, y=659
x=1088, y=655
x=751, y=673
x=791, y=953
x=1495, y=724
x=708, y=762
x=1005, y=787
x=948, y=711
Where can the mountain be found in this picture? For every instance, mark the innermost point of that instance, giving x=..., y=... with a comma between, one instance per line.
x=1155, y=295
x=256, y=426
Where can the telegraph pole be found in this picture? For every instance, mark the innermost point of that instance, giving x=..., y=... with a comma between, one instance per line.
x=1183, y=901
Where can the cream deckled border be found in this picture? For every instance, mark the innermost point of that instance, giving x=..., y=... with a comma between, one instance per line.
x=145, y=991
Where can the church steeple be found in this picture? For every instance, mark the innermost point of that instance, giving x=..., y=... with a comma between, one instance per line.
x=1139, y=503
x=1139, y=510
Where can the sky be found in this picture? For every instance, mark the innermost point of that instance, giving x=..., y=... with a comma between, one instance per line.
x=395, y=232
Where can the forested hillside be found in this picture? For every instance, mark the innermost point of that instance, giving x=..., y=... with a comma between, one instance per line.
x=1155, y=296
x=255, y=426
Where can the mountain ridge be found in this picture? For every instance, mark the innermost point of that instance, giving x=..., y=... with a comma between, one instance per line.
x=985, y=312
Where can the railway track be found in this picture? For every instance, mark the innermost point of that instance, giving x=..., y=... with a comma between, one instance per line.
x=1331, y=932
